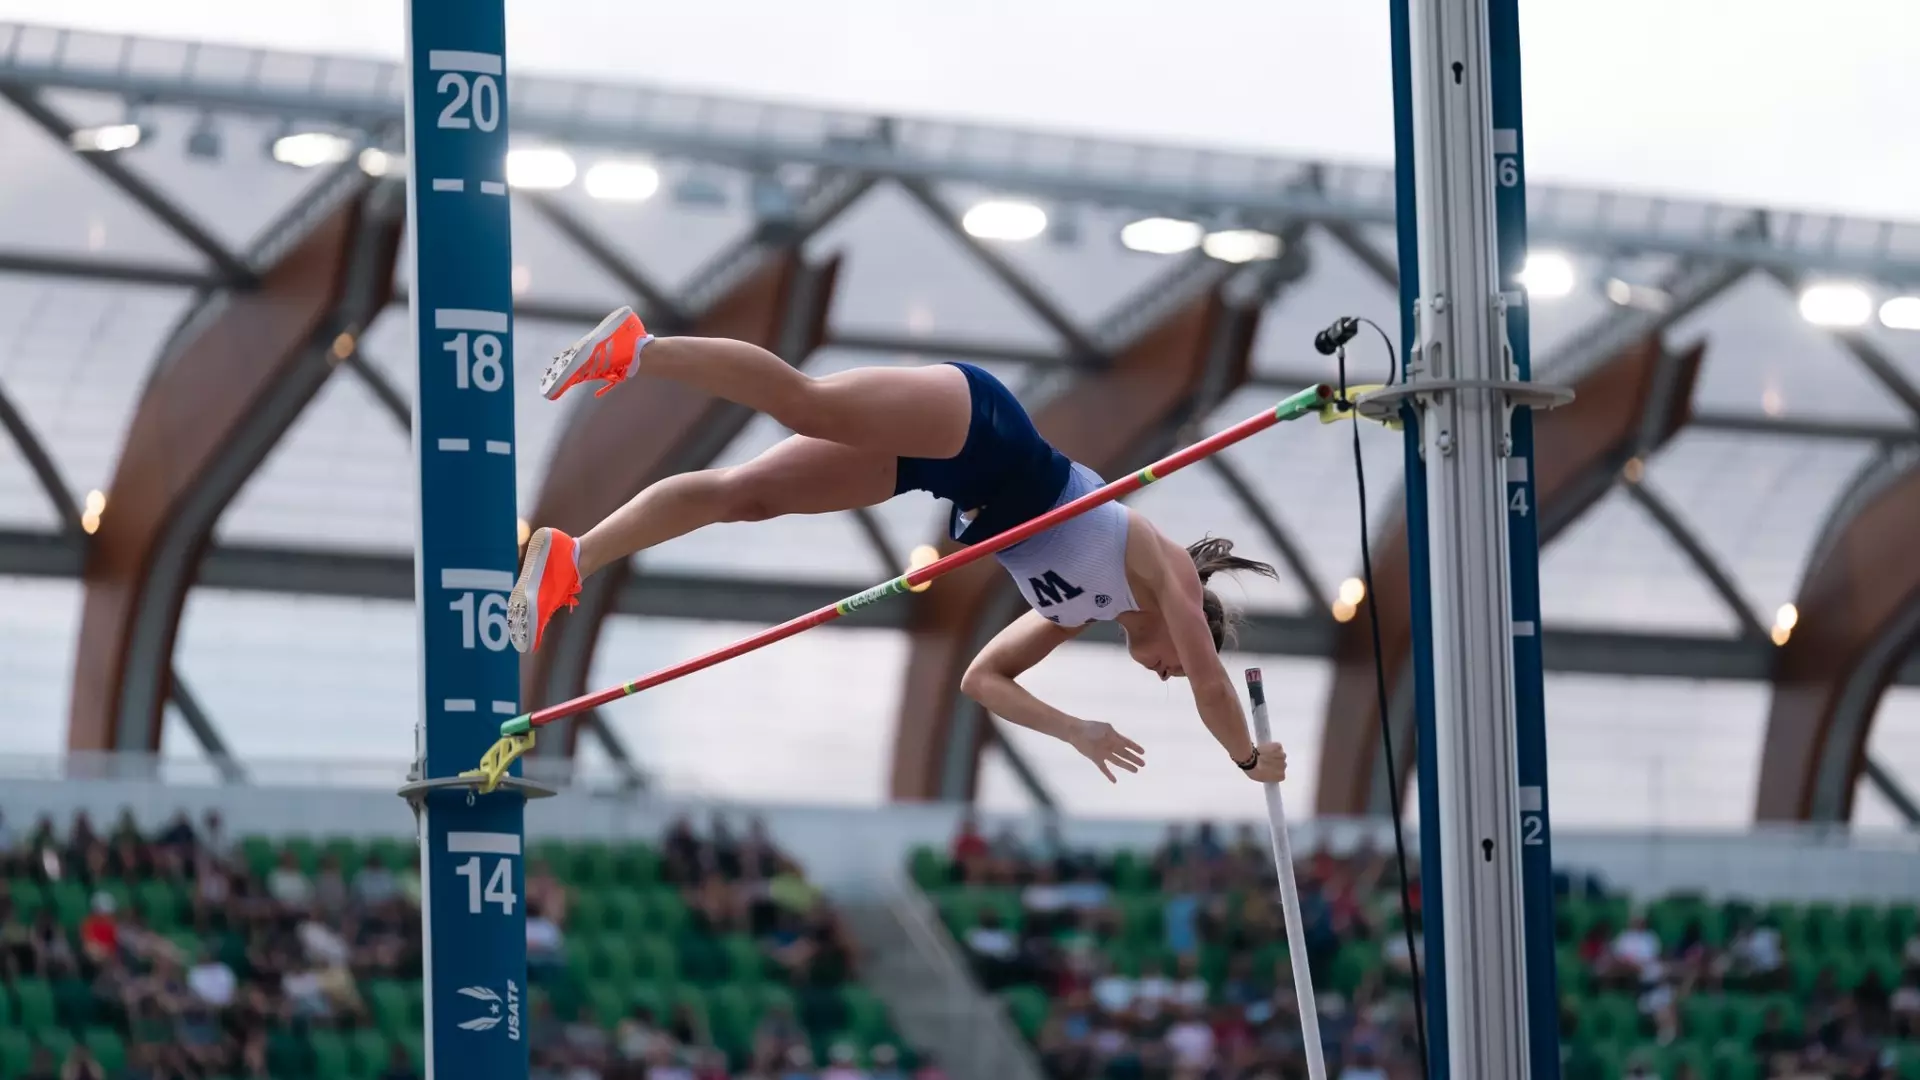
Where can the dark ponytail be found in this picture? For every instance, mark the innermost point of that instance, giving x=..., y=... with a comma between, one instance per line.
x=1213, y=555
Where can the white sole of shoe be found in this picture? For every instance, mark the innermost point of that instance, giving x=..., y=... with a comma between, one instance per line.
x=577, y=354
x=526, y=592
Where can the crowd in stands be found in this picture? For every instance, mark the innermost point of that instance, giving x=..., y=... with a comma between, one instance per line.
x=1174, y=965
x=183, y=955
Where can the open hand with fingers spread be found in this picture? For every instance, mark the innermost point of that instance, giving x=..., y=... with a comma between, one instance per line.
x=1269, y=764
x=1104, y=746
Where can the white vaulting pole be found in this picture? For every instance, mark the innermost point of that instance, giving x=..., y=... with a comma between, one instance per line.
x=1289, y=893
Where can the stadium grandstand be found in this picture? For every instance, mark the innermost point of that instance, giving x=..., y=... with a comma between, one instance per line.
x=821, y=861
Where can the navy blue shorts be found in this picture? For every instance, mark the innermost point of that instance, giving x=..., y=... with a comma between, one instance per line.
x=1006, y=471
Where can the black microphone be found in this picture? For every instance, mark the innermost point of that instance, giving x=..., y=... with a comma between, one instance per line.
x=1328, y=341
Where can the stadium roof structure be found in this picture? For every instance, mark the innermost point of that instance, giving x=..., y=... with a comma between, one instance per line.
x=205, y=372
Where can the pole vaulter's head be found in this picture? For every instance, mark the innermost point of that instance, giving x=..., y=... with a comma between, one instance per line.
x=1214, y=555
x=1148, y=641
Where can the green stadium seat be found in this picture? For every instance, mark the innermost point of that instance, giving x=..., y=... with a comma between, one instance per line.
x=387, y=1001
x=71, y=903
x=108, y=1048
x=693, y=1000
x=625, y=911
x=588, y=914
x=609, y=1002
x=1143, y=918
x=329, y=1056
x=1352, y=964
x=159, y=903
x=1133, y=874
x=1900, y=923
x=73, y=1003
x=772, y=997
x=928, y=868
x=745, y=963
x=654, y=997
x=866, y=1016
x=305, y=851
x=34, y=1008
x=701, y=959
x=345, y=850
x=1027, y=1007
x=395, y=854
x=1704, y=1016
x=260, y=854
x=636, y=866
x=666, y=912
x=367, y=1052
x=1734, y=1061
x=733, y=1012
x=416, y=1049
x=556, y=856
x=287, y=1056
x=612, y=960
x=592, y=866
x=1823, y=925
x=1862, y=927
x=28, y=898
x=655, y=959
x=58, y=1040
x=16, y=1052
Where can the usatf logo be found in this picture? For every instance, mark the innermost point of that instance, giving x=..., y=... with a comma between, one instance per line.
x=1101, y=599
x=498, y=1009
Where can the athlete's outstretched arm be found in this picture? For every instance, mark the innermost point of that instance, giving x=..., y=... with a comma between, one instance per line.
x=1178, y=590
x=991, y=681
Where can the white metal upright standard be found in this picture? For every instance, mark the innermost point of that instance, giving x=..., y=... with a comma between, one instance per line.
x=1461, y=375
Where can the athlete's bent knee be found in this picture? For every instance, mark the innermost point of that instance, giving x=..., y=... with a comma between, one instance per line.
x=745, y=497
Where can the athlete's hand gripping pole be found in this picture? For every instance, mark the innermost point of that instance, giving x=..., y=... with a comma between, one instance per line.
x=1304, y=403
x=1289, y=893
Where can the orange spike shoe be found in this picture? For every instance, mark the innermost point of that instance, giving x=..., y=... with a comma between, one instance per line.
x=549, y=581
x=605, y=355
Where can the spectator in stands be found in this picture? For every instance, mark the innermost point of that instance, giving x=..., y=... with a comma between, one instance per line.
x=1756, y=959
x=1633, y=957
x=1904, y=1007
x=546, y=946
x=212, y=982
x=970, y=850
x=289, y=885
x=548, y=893
x=1190, y=1040
x=100, y=931
x=330, y=893
x=994, y=950
x=842, y=1063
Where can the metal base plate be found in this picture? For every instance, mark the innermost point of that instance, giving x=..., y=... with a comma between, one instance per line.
x=1384, y=404
x=415, y=790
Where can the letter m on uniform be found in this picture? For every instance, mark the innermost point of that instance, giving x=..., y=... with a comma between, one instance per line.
x=1051, y=589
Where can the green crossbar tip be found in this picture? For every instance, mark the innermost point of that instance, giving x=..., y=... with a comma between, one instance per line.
x=1302, y=403
x=519, y=725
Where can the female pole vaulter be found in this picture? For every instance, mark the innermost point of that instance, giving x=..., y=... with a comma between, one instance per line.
x=954, y=431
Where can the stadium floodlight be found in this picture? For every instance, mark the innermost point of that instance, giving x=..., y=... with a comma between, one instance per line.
x=310, y=149
x=1835, y=304
x=1004, y=219
x=106, y=138
x=1548, y=274
x=1784, y=620
x=1352, y=591
x=1901, y=313
x=622, y=181
x=540, y=168
x=376, y=162
x=1161, y=235
x=1241, y=245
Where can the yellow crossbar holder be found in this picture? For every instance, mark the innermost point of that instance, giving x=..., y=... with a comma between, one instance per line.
x=496, y=761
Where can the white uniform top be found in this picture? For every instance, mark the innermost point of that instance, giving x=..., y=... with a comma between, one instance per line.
x=1076, y=572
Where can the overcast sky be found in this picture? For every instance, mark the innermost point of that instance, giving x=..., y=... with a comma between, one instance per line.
x=1788, y=104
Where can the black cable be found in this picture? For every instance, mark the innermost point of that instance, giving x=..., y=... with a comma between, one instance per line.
x=1380, y=689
